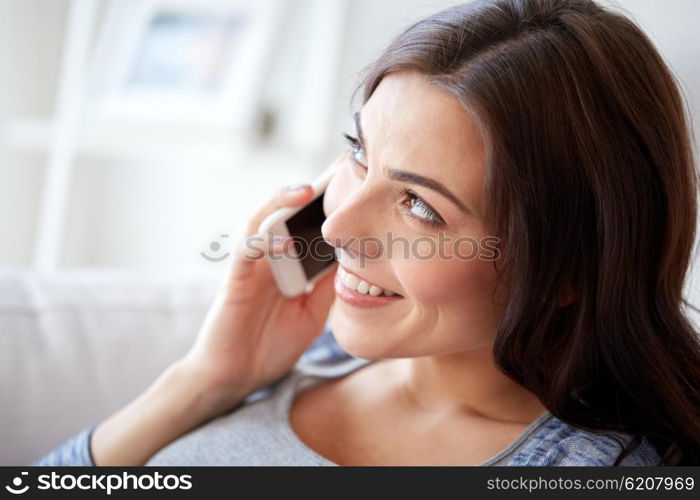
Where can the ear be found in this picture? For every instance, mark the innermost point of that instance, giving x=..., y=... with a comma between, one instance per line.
x=570, y=296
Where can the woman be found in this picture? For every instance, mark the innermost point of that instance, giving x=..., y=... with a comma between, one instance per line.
x=553, y=126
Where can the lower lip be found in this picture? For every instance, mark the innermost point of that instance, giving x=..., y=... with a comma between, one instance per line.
x=358, y=299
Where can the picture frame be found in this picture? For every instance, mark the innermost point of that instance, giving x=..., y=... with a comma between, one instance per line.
x=189, y=62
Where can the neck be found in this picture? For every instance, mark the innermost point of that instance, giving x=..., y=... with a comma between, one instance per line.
x=468, y=383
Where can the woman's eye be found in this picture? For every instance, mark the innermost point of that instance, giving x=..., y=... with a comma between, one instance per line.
x=357, y=152
x=416, y=208
x=413, y=205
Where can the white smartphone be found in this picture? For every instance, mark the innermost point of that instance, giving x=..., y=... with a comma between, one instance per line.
x=296, y=272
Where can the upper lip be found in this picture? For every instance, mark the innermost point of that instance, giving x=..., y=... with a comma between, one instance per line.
x=368, y=281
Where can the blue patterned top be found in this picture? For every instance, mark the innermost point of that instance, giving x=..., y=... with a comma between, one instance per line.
x=546, y=442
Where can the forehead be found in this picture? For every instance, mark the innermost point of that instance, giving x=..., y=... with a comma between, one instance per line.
x=410, y=124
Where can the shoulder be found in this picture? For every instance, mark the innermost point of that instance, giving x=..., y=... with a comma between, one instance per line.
x=560, y=444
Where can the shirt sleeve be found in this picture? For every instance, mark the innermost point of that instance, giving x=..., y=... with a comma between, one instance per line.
x=73, y=452
x=325, y=349
x=586, y=450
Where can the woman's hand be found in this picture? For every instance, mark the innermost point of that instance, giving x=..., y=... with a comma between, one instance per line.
x=252, y=334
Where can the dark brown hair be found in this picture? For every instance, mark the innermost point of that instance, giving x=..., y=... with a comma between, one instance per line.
x=591, y=188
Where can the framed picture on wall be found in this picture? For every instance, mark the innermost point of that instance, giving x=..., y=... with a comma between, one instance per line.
x=183, y=61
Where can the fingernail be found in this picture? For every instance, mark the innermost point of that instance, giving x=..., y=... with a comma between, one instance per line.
x=297, y=187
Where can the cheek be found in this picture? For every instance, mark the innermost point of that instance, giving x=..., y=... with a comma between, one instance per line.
x=442, y=283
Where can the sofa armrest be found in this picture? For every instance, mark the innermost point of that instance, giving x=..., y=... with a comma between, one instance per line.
x=75, y=346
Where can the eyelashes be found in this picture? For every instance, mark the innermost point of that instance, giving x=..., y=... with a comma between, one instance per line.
x=431, y=217
x=355, y=146
x=353, y=141
x=411, y=201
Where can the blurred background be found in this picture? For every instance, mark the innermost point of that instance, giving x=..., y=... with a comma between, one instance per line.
x=135, y=133
x=136, y=138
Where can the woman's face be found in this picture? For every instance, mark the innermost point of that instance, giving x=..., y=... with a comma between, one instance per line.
x=447, y=290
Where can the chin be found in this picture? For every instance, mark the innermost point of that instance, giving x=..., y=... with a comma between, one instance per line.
x=360, y=341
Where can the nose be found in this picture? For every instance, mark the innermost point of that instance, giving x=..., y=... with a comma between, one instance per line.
x=353, y=226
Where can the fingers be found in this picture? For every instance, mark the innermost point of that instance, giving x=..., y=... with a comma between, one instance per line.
x=255, y=246
x=289, y=196
x=253, y=249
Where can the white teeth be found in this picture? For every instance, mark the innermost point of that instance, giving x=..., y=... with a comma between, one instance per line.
x=351, y=280
x=361, y=286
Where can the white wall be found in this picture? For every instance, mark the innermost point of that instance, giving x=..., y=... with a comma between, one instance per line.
x=30, y=34
x=159, y=214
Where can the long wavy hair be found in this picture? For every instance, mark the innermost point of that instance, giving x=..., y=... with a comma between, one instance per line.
x=591, y=189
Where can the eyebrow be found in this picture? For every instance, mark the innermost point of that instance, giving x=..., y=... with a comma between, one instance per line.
x=410, y=177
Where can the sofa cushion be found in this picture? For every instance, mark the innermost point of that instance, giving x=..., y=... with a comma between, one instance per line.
x=77, y=345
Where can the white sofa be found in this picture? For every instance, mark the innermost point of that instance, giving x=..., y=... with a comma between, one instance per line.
x=77, y=345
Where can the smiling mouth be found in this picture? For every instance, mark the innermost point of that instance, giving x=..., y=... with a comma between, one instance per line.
x=362, y=286
x=362, y=300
